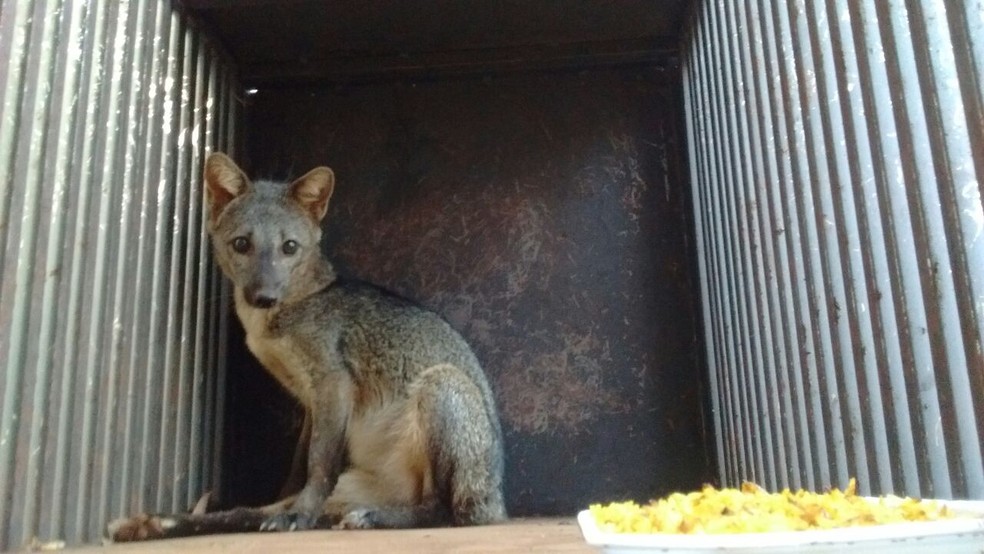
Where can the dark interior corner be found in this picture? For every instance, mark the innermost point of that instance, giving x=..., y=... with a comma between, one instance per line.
x=278, y=42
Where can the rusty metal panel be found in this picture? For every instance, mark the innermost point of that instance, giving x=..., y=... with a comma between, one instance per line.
x=112, y=322
x=836, y=155
x=542, y=215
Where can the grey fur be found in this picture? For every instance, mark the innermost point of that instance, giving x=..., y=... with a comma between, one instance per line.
x=403, y=425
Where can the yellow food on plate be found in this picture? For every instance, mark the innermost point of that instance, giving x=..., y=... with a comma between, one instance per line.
x=752, y=509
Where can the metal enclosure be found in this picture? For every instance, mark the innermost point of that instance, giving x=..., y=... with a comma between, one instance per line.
x=112, y=322
x=837, y=152
x=520, y=167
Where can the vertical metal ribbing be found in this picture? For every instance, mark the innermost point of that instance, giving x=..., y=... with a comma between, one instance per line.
x=65, y=489
x=158, y=191
x=853, y=200
x=691, y=97
x=85, y=294
x=748, y=423
x=816, y=220
x=228, y=140
x=14, y=33
x=754, y=422
x=785, y=234
x=732, y=305
x=722, y=297
x=99, y=392
x=22, y=430
x=928, y=251
x=800, y=236
x=129, y=494
x=729, y=360
x=220, y=111
x=691, y=102
x=898, y=297
x=759, y=260
x=761, y=148
x=720, y=254
x=946, y=172
x=89, y=191
x=212, y=121
x=838, y=240
x=200, y=263
x=46, y=475
x=160, y=408
x=171, y=266
x=15, y=29
x=965, y=218
x=119, y=165
x=836, y=161
x=187, y=241
x=761, y=315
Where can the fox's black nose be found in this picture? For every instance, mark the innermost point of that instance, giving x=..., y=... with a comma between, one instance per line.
x=258, y=298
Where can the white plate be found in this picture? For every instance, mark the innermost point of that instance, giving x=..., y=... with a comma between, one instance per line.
x=964, y=533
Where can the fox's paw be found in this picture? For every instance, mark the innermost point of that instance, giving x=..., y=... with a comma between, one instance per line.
x=362, y=518
x=289, y=521
x=139, y=528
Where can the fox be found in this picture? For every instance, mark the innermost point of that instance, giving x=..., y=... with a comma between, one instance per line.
x=401, y=428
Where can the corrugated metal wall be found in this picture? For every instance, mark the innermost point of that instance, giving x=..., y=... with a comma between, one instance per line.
x=111, y=315
x=837, y=149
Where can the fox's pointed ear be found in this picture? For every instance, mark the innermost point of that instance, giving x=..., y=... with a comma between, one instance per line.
x=224, y=181
x=313, y=190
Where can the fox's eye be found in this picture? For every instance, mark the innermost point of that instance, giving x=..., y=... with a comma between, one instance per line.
x=240, y=245
x=290, y=247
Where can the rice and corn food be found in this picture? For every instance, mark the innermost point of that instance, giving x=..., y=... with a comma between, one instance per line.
x=752, y=509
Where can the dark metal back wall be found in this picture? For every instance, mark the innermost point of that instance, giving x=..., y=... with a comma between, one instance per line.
x=545, y=217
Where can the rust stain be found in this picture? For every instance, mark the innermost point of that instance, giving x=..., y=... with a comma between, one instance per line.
x=510, y=252
x=559, y=388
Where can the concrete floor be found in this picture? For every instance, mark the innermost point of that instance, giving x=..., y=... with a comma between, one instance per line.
x=521, y=535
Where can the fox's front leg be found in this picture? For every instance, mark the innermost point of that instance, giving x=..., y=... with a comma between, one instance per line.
x=326, y=454
x=298, y=465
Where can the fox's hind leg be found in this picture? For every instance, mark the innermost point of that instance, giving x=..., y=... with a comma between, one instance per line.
x=447, y=421
x=465, y=446
x=238, y=520
x=145, y=526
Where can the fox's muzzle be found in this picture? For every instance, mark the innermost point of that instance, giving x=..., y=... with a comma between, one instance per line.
x=261, y=297
x=266, y=287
